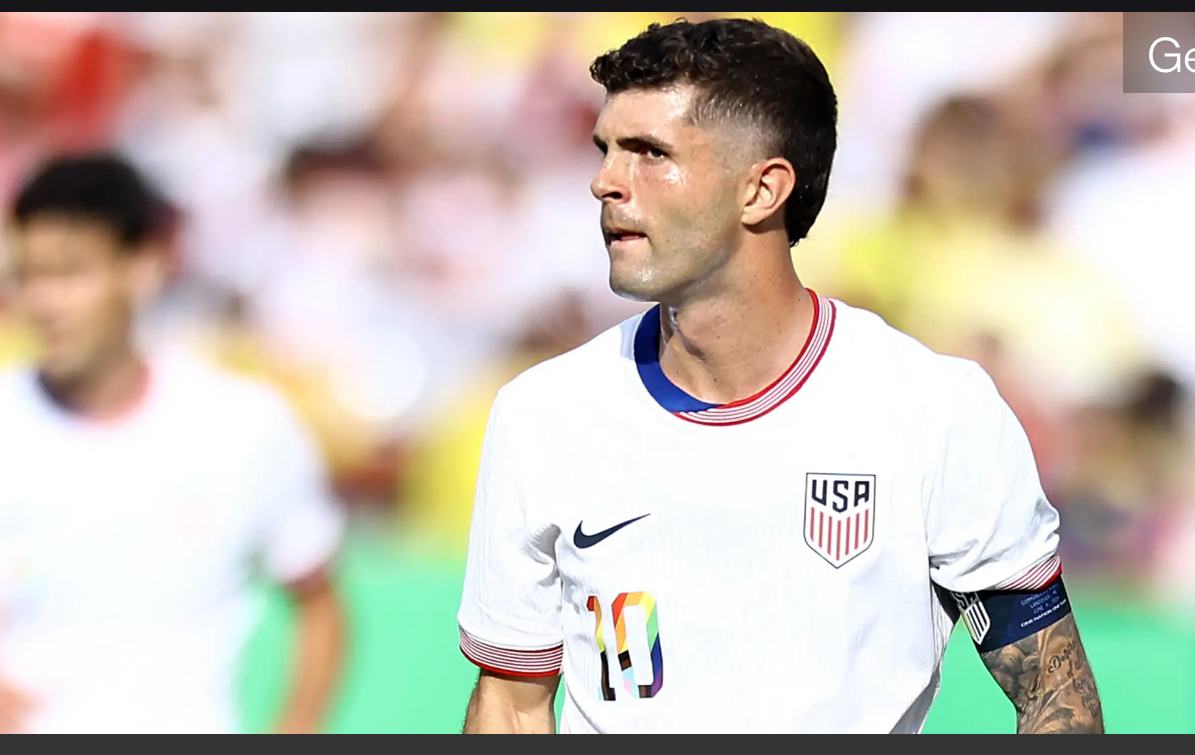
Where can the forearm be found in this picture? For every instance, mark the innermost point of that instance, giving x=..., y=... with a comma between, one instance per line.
x=491, y=711
x=318, y=662
x=1049, y=681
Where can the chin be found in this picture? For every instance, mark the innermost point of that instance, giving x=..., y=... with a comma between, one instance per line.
x=636, y=296
x=62, y=369
x=634, y=288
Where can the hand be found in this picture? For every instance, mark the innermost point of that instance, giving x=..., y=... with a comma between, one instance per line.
x=15, y=707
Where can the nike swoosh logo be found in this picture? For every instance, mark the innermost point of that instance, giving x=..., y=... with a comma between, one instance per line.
x=581, y=540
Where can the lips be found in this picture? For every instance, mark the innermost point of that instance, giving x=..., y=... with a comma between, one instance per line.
x=614, y=235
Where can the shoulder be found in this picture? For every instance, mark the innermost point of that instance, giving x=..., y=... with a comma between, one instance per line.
x=195, y=384
x=13, y=380
x=16, y=390
x=869, y=350
x=22, y=411
x=585, y=373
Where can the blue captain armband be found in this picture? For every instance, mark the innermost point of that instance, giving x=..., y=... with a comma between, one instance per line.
x=997, y=618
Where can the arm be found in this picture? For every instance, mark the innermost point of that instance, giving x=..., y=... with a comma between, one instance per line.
x=319, y=655
x=1048, y=680
x=302, y=529
x=994, y=545
x=509, y=617
x=15, y=707
x=512, y=705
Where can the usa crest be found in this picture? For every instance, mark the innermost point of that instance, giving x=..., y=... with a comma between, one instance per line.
x=840, y=516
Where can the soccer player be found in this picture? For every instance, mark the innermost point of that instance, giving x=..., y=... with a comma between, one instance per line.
x=751, y=509
x=139, y=490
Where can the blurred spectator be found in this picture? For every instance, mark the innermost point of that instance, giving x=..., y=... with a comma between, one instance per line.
x=143, y=490
x=179, y=125
x=1125, y=212
x=327, y=305
x=443, y=466
x=1122, y=489
x=896, y=67
x=75, y=68
x=1083, y=89
x=966, y=256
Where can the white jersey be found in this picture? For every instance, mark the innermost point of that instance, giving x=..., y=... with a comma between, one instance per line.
x=127, y=547
x=763, y=566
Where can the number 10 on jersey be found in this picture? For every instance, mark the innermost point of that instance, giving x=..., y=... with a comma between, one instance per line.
x=651, y=625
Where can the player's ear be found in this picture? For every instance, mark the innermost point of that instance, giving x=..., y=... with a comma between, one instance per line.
x=149, y=271
x=770, y=184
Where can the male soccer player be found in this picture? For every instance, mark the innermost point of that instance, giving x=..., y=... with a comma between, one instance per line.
x=137, y=492
x=751, y=509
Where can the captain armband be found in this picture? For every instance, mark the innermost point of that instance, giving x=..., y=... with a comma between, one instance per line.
x=997, y=618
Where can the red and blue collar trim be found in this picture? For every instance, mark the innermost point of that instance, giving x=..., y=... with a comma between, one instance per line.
x=681, y=404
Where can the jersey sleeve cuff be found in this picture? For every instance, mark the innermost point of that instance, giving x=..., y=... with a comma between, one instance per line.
x=1037, y=577
x=512, y=661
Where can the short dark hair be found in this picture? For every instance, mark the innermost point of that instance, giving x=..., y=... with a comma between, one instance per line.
x=750, y=71
x=1157, y=400
x=308, y=159
x=103, y=187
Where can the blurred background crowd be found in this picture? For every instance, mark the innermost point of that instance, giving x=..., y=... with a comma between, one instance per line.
x=387, y=215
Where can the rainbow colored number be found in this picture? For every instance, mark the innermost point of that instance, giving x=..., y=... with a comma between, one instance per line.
x=596, y=607
x=648, y=603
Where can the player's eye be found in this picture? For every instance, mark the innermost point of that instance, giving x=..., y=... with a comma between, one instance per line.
x=654, y=153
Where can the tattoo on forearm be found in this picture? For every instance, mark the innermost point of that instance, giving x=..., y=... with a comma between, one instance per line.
x=1049, y=681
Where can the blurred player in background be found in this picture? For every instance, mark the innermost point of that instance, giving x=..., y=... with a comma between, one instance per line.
x=139, y=492
x=775, y=496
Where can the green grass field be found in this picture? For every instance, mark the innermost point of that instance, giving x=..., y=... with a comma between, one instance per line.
x=405, y=674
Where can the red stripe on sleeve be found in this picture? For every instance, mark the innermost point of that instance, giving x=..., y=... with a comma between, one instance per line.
x=511, y=661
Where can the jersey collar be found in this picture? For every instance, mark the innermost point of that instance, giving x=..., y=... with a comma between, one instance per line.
x=687, y=407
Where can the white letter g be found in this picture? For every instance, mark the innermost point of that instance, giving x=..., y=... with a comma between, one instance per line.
x=1174, y=55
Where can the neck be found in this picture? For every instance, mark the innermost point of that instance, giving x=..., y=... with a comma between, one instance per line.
x=732, y=345
x=107, y=391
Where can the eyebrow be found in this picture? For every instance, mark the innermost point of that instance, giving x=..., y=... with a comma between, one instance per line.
x=636, y=143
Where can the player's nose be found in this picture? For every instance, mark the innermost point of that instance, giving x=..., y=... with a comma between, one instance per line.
x=610, y=182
